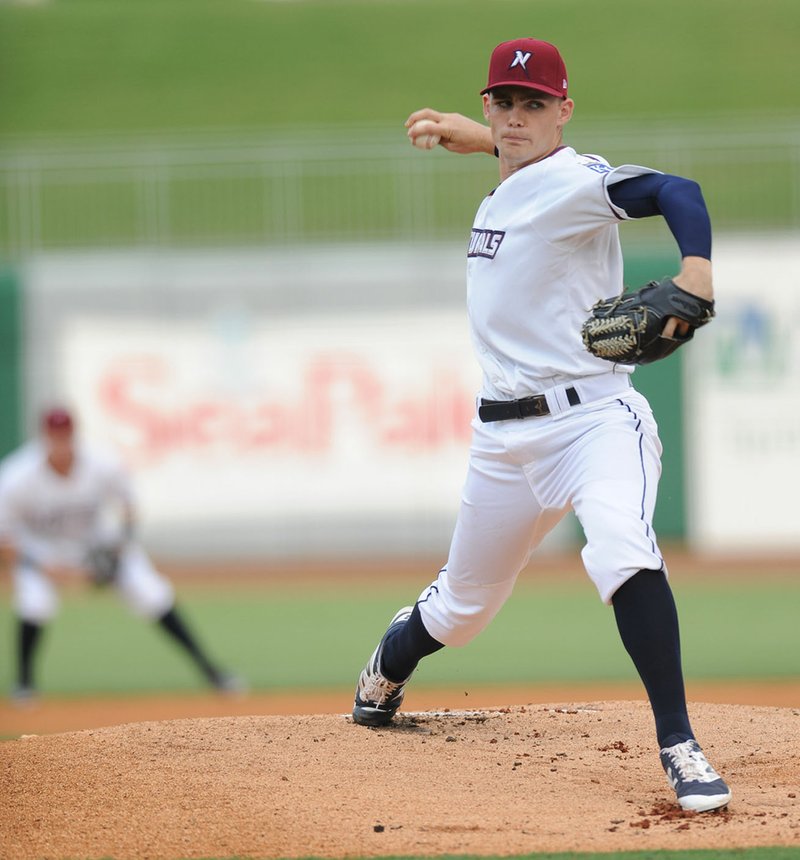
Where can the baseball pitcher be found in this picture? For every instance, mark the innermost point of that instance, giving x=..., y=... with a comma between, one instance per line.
x=558, y=424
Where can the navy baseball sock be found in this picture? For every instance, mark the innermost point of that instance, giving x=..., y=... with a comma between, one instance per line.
x=648, y=624
x=405, y=648
x=172, y=622
x=29, y=635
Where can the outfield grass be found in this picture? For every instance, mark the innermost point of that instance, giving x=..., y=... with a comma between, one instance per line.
x=124, y=76
x=296, y=637
x=113, y=65
x=768, y=853
x=771, y=853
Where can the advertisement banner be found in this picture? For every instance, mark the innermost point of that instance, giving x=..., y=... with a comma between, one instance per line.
x=311, y=401
x=743, y=402
x=300, y=416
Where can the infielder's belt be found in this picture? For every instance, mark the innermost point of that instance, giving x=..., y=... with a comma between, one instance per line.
x=526, y=407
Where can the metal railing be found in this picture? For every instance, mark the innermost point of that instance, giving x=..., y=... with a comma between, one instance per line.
x=323, y=185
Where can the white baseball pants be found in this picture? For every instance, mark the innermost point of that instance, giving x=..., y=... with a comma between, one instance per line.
x=601, y=458
x=140, y=586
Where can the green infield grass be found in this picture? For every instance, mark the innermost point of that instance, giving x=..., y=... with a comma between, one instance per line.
x=293, y=637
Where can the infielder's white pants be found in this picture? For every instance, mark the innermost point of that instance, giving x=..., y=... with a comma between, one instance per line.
x=140, y=586
x=600, y=458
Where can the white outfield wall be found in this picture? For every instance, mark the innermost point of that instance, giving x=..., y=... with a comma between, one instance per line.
x=742, y=398
x=317, y=400
x=309, y=401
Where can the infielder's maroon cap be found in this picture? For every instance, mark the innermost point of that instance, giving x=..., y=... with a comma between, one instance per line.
x=57, y=418
x=528, y=63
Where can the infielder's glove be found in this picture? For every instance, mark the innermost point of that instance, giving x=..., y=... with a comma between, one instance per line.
x=102, y=562
x=627, y=329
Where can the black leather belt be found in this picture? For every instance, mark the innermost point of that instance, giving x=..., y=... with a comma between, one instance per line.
x=526, y=407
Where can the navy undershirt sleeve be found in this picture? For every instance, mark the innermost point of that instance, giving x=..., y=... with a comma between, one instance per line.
x=678, y=200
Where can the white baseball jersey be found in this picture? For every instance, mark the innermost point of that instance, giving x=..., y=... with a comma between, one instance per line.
x=53, y=518
x=544, y=248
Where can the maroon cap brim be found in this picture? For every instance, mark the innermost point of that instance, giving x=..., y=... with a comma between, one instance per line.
x=524, y=86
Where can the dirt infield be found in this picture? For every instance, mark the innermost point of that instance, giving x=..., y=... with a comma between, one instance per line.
x=288, y=775
x=557, y=777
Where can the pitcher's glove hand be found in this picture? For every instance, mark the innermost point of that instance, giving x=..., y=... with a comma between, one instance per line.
x=627, y=329
x=102, y=562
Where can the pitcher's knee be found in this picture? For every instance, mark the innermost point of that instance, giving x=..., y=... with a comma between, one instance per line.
x=455, y=624
x=611, y=564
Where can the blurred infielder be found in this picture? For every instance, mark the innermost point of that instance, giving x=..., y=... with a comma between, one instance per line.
x=67, y=512
x=557, y=427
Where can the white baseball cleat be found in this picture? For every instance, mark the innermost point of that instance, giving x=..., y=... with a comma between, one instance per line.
x=698, y=786
x=378, y=698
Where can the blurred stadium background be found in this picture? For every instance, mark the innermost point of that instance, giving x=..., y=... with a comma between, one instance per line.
x=217, y=245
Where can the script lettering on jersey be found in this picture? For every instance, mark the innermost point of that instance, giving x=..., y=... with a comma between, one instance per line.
x=485, y=243
x=65, y=521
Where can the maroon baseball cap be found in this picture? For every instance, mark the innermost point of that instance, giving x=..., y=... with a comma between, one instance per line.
x=57, y=418
x=528, y=63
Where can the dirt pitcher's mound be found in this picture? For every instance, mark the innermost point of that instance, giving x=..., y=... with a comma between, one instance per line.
x=497, y=781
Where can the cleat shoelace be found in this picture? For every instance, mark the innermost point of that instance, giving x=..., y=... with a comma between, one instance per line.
x=376, y=687
x=690, y=763
x=379, y=689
